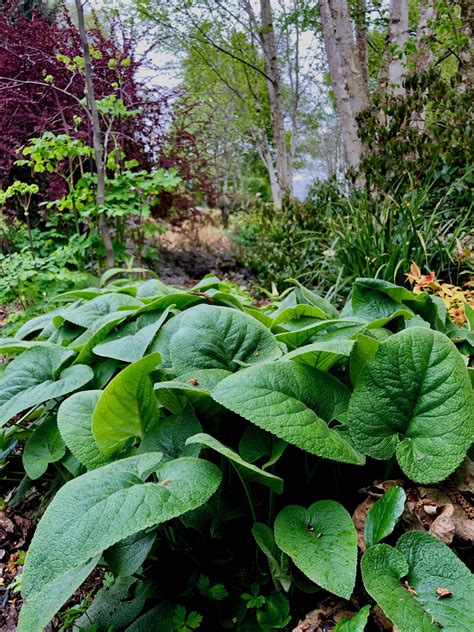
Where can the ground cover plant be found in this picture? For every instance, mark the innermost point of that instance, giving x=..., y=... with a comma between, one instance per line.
x=205, y=454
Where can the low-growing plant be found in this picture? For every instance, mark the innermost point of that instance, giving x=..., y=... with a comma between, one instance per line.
x=208, y=453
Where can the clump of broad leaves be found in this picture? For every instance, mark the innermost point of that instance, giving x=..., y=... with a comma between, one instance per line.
x=206, y=453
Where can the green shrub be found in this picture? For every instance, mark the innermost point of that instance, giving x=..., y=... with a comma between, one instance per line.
x=380, y=235
x=336, y=236
x=191, y=430
x=291, y=242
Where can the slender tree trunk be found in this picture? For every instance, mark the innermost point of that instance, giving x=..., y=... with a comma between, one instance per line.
x=266, y=156
x=292, y=153
x=467, y=54
x=424, y=31
x=269, y=47
x=344, y=103
x=361, y=41
x=397, y=38
x=96, y=136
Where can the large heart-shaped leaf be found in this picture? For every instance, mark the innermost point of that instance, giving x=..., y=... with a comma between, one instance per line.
x=45, y=446
x=322, y=542
x=128, y=406
x=75, y=426
x=247, y=470
x=414, y=398
x=383, y=515
x=34, y=377
x=211, y=337
x=436, y=590
x=293, y=401
x=100, y=508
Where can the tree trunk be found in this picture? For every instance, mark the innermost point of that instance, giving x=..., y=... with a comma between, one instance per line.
x=424, y=31
x=351, y=66
x=266, y=156
x=466, y=68
x=344, y=104
x=269, y=47
x=361, y=41
x=96, y=136
x=397, y=38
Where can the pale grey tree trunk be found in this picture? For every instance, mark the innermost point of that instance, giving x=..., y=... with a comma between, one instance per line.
x=96, y=137
x=267, y=158
x=361, y=41
x=346, y=102
x=397, y=37
x=269, y=47
x=351, y=65
x=424, y=31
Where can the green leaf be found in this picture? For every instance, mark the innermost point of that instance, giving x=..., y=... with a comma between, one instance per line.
x=87, y=314
x=277, y=560
x=364, y=350
x=37, y=324
x=298, y=337
x=434, y=565
x=294, y=402
x=75, y=426
x=212, y=337
x=375, y=298
x=44, y=446
x=426, y=564
x=304, y=295
x=131, y=348
x=128, y=406
x=98, y=331
x=356, y=623
x=249, y=472
x=298, y=311
x=321, y=355
x=115, y=607
x=10, y=346
x=322, y=542
x=256, y=443
x=414, y=398
x=158, y=619
x=102, y=507
x=383, y=515
x=191, y=388
x=127, y=556
x=170, y=434
x=275, y=613
x=49, y=598
x=34, y=377
x=217, y=592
